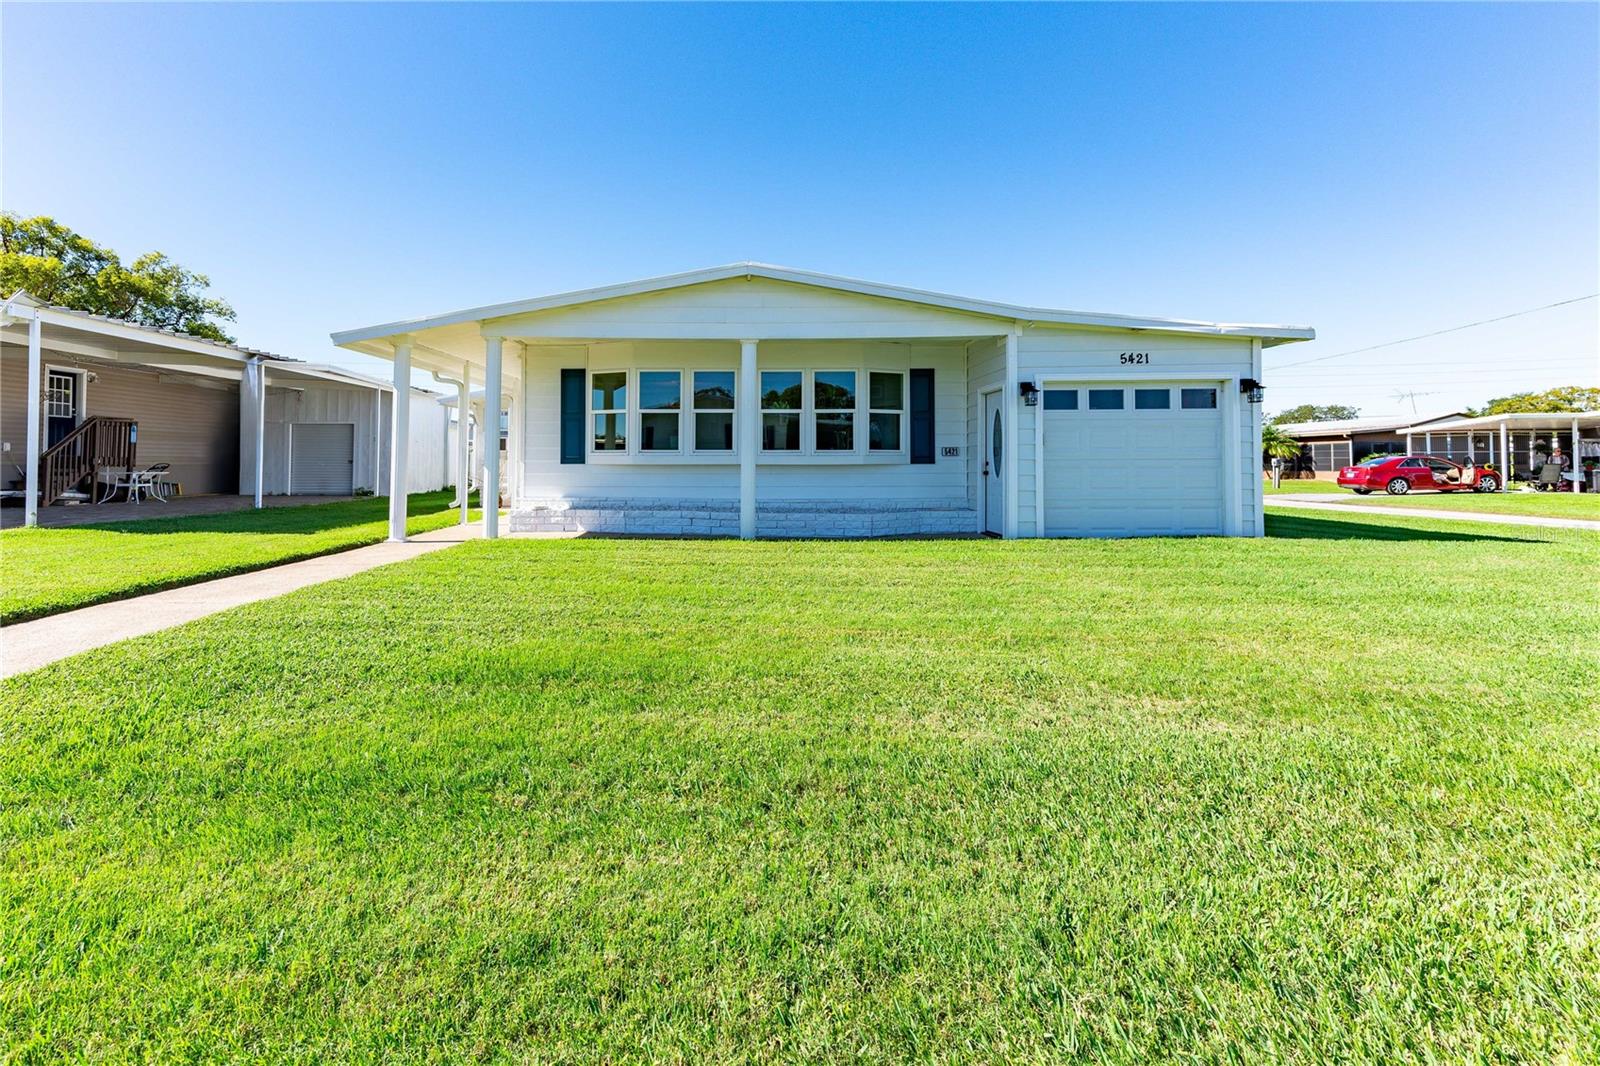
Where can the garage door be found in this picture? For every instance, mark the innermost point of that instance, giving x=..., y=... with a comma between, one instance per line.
x=322, y=460
x=1130, y=461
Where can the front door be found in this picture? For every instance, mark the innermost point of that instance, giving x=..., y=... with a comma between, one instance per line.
x=60, y=406
x=994, y=492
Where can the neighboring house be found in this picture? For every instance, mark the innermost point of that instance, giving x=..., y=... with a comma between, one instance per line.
x=754, y=400
x=109, y=393
x=1328, y=446
x=1510, y=442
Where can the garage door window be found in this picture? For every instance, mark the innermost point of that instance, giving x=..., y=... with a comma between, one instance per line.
x=1060, y=399
x=1152, y=399
x=1199, y=399
x=1105, y=399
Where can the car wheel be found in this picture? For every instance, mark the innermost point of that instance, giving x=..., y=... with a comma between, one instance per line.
x=1398, y=487
x=1487, y=484
x=1362, y=492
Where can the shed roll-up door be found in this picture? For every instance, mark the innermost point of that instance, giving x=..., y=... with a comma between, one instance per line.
x=1132, y=460
x=322, y=458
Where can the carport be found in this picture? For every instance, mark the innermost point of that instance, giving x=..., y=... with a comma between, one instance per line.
x=1511, y=440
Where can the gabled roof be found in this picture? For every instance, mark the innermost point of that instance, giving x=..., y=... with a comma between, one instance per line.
x=1011, y=312
x=1343, y=427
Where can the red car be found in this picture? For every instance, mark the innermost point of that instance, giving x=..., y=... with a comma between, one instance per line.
x=1399, y=474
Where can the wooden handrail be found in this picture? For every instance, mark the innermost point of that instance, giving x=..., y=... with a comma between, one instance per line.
x=98, y=441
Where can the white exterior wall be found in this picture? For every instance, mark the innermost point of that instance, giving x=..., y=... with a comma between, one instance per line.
x=430, y=464
x=317, y=404
x=1093, y=356
x=863, y=478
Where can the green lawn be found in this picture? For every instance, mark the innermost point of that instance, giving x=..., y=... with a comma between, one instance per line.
x=1549, y=504
x=1332, y=796
x=1302, y=485
x=51, y=570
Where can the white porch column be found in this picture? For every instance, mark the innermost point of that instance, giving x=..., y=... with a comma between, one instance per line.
x=1409, y=449
x=30, y=509
x=400, y=440
x=1427, y=443
x=1577, y=460
x=1010, y=411
x=1232, y=461
x=749, y=414
x=463, y=430
x=514, y=427
x=260, y=413
x=489, y=495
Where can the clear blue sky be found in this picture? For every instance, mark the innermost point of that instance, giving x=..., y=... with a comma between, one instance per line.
x=1373, y=171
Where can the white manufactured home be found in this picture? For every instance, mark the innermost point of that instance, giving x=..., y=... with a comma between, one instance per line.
x=752, y=400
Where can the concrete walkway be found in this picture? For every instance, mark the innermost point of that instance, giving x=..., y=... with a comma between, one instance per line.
x=29, y=645
x=1309, y=502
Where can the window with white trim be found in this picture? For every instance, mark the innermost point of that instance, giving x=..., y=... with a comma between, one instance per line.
x=834, y=410
x=713, y=399
x=608, y=406
x=782, y=400
x=886, y=404
x=660, y=410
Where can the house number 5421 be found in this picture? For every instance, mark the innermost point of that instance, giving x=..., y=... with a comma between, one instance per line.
x=1134, y=357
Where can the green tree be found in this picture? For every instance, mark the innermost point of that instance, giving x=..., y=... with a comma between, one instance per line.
x=1563, y=399
x=1311, y=412
x=58, y=266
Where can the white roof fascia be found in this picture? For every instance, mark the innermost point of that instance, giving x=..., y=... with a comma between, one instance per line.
x=1008, y=312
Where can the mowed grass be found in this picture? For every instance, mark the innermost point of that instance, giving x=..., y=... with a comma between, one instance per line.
x=1333, y=796
x=1585, y=505
x=52, y=570
x=1301, y=486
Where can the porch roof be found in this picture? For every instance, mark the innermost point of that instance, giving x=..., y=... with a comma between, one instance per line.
x=83, y=335
x=449, y=334
x=1523, y=420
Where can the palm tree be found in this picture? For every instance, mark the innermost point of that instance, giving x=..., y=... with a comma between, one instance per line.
x=1278, y=445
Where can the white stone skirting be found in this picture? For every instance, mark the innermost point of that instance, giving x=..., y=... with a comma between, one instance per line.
x=720, y=518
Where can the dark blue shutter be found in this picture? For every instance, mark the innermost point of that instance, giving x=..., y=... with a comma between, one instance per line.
x=572, y=415
x=922, y=416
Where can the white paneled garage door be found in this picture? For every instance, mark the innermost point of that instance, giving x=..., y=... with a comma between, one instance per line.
x=1132, y=460
x=322, y=458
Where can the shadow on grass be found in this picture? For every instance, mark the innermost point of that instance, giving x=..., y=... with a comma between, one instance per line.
x=1296, y=527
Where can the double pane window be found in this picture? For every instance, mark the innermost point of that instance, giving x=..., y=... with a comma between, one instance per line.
x=713, y=410
x=834, y=407
x=660, y=410
x=782, y=399
x=886, y=403
x=608, y=400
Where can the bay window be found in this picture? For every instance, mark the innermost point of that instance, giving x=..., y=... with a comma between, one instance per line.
x=713, y=410
x=834, y=408
x=886, y=404
x=782, y=395
x=660, y=410
x=608, y=402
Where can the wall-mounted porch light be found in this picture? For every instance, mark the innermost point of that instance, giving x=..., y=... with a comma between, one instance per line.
x=1252, y=389
x=1030, y=394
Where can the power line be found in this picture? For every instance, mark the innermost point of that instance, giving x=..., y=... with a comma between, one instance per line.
x=1438, y=332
